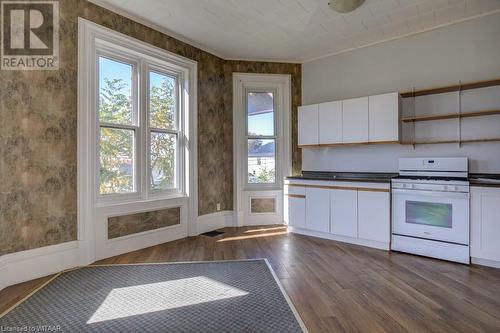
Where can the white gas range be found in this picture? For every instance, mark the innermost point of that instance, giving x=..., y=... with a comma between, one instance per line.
x=430, y=208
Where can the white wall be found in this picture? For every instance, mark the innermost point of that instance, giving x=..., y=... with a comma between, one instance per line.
x=468, y=51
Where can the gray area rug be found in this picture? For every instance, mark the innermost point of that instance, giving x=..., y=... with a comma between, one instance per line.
x=225, y=296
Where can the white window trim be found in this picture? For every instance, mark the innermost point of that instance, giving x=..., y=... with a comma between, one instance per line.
x=282, y=84
x=278, y=135
x=89, y=33
x=141, y=64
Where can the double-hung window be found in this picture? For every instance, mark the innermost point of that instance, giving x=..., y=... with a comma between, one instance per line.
x=140, y=117
x=261, y=137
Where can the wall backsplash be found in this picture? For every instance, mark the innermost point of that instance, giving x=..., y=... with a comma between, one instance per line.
x=384, y=158
x=38, y=111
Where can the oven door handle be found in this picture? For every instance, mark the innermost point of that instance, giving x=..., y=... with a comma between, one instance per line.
x=459, y=195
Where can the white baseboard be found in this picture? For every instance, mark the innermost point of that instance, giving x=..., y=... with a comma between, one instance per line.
x=344, y=239
x=116, y=246
x=214, y=221
x=250, y=223
x=33, y=264
x=485, y=262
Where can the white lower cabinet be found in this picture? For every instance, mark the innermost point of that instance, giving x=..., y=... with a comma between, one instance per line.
x=296, y=211
x=485, y=225
x=344, y=212
x=318, y=209
x=357, y=213
x=374, y=216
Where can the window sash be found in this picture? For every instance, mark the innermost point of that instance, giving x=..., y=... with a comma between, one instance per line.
x=162, y=70
x=248, y=137
x=262, y=91
x=141, y=67
x=259, y=162
x=134, y=160
x=177, y=164
x=134, y=89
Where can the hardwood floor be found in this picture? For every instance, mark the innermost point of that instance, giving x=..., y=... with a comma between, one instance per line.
x=338, y=287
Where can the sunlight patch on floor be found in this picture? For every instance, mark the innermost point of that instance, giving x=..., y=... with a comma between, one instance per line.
x=283, y=228
x=228, y=239
x=148, y=298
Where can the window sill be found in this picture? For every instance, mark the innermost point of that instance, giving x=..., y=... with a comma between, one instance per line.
x=262, y=188
x=152, y=198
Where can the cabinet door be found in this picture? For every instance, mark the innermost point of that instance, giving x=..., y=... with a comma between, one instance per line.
x=383, y=117
x=344, y=212
x=355, y=120
x=485, y=223
x=308, y=125
x=296, y=211
x=318, y=209
x=330, y=122
x=374, y=216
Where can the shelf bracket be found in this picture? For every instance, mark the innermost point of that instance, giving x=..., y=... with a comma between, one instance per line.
x=459, y=114
x=414, y=132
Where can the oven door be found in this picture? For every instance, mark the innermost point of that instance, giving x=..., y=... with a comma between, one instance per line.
x=431, y=215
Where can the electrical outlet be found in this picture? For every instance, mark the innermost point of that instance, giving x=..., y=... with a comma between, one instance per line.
x=218, y=206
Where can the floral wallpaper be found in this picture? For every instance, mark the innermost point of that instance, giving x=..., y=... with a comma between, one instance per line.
x=119, y=226
x=262, y=205
x=38, y=137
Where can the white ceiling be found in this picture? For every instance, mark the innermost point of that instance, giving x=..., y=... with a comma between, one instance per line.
x=293, y=30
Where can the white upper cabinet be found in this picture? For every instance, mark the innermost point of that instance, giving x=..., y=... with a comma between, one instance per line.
x=308, y=125
x=369, y=119
x=383, y=117
x=355, y=120
x=330, y=122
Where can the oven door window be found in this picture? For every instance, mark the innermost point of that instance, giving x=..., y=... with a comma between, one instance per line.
x=429, y=213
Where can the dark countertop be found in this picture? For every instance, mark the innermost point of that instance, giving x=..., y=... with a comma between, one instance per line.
x=372, y=177
x=475, y=179
x=484, y=179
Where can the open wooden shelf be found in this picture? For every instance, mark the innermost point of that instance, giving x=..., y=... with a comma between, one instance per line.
x=458, y=87
x=449, y=116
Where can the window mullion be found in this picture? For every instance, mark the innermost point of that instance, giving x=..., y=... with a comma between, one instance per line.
x=143, y=129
